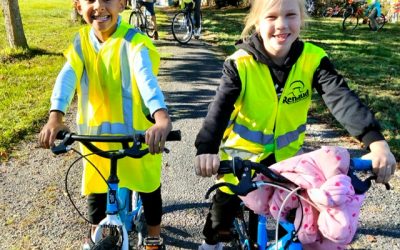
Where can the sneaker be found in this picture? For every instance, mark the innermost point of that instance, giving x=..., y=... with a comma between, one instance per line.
x=196, y=33
x=155, y=36
x=206, y=246
x=153, y=243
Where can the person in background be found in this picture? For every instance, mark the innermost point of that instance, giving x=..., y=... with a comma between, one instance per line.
x=149, y=4
x=259, y=112
x=373, y=11
x=195, y=6
x=112, y=69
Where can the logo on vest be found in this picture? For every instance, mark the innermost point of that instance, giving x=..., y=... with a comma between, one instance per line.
x=297, y=93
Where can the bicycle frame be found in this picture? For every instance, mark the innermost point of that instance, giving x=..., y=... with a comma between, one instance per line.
x=118, y=214
x=262, y=237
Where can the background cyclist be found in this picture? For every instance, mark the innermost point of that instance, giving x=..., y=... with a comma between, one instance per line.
x=194, y=5
x=373, y=11
x=149, y=4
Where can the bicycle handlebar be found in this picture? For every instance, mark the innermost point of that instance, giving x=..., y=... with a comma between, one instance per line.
x=133, y=151
x=242, y=169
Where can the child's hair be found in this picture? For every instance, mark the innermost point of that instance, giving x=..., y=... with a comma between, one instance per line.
x=259, y=7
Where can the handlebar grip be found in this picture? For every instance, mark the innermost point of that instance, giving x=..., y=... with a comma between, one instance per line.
x=61, y=134
x=225, y=167
x=359, y=164
x=174, y=135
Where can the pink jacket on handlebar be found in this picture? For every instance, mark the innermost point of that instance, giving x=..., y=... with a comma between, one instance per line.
x=332, y=222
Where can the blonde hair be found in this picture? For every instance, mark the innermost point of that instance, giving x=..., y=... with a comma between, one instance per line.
x=258, y=8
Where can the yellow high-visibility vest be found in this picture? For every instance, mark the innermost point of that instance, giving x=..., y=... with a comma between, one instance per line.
x=109, y=103
x=184, y=2
x=261, y=124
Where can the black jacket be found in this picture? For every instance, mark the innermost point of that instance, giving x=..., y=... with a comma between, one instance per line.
x=343, y=103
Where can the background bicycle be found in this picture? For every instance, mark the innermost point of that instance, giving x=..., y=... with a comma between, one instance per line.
x=124, y=207
x=338, y=10
x=141, y=18
x=182, y=25
x=350, y=22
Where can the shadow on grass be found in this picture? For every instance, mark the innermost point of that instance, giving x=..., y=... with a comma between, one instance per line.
x=14, y=56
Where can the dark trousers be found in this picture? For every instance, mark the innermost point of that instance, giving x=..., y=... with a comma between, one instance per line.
x=152, y=206
x=197, y=7
x=223, y=209
x=196, y=12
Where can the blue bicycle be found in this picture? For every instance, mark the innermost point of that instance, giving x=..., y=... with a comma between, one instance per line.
x=124, y=207
x=247, y=221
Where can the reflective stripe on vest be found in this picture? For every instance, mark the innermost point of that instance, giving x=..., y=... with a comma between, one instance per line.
x=109, y=102
x=264, y=139
x=261, y=124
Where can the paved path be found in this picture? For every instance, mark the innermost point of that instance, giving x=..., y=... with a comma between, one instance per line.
x=189, y=75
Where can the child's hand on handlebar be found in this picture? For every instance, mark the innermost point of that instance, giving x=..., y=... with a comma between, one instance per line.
x=206, y=165
x=383, y=161
x=157, y=134
x=48, y=134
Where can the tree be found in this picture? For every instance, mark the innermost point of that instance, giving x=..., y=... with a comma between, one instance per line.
x=13, y=22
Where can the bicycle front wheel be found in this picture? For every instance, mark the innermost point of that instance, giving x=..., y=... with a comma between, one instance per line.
x=380, y=21
x=149, y=26
x=109, y=242
x=182, y=27
x=350, y=23
x=135, y=19
x=139, y=220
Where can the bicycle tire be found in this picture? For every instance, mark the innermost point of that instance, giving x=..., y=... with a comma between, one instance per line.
x=350, y=23
x=380, y=21
x=182, y=27
x=110, y=242
x=135, y=19
x=149, y=26
x=139, y=221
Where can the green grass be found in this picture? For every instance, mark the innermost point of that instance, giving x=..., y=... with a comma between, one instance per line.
x=27, y=77
x=370, y=61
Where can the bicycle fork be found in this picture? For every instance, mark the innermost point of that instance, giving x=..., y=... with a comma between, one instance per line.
x=112, y=224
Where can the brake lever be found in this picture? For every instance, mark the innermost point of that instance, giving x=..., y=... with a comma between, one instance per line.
x=245, y=186
x=64, y=146
x=135, y=151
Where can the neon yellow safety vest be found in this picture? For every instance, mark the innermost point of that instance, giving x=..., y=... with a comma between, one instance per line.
x=261, y=124
x=184, y=2
x=109, y=103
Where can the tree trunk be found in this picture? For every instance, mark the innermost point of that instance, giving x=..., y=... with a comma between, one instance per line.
x=13, y=22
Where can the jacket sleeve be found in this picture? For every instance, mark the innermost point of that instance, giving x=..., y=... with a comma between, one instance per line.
x=64, y=89
x=219, y=111
x=345, y=105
